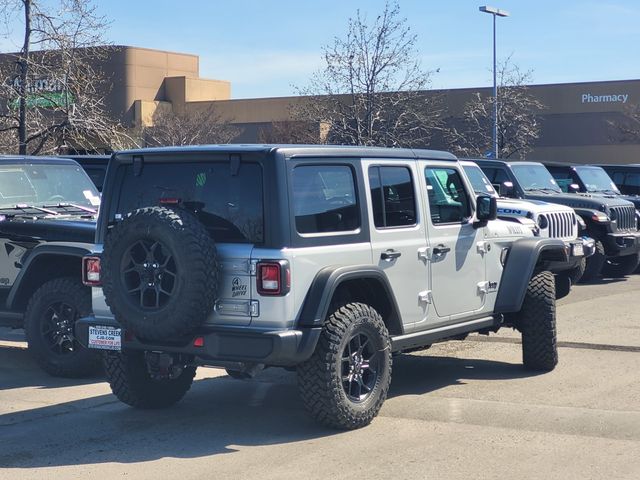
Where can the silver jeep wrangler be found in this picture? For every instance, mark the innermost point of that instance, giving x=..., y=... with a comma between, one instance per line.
x=324, y=259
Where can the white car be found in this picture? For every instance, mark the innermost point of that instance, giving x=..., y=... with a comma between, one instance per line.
x=548, y=220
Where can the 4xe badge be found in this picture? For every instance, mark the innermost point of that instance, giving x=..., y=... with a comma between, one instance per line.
x=238, y=289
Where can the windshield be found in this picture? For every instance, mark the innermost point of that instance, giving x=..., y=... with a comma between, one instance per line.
x=596, y=179
x=479, y=181
x=41, y=185
x=535, y=177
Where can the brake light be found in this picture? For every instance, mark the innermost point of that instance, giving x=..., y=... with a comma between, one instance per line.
x=273, y=277
x=91, y=271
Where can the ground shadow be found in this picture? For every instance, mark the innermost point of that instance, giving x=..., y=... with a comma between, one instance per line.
x=18, y=370
x=217, y=414
x=420, y=374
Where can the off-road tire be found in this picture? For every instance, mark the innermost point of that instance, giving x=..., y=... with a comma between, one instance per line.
x=575, y=275
x=195, y=275
x=130, y=381
x=595, y=263
x=320, y=379
x=537, y=322
x=75, y=363
x=617, y=267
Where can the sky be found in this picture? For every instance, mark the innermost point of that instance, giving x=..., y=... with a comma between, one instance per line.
x=266, y=48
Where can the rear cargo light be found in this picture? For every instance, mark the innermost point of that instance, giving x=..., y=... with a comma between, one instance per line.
x=91, y=271
x=273, y=277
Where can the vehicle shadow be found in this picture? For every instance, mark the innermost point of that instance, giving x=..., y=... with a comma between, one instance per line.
x=420, y=374
x=18, y=370
x=218, y=416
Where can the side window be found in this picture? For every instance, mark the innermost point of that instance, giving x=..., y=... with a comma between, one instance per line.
x=632, y=183
x=392, y=197
x=448, y=199
x=324, y=199
x=618, y=177
x=562, y=177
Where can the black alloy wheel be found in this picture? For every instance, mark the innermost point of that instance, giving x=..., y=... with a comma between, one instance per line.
x=149, y=273
x=360, y=366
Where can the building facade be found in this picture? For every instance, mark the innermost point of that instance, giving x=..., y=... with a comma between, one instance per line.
x=585, y=122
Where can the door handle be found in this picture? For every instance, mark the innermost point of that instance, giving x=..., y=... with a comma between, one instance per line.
x=441, y=250
x=390, y=255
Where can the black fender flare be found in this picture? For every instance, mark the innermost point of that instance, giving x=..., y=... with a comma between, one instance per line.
x=76, y=250
x=318, y=300
x=521, y=262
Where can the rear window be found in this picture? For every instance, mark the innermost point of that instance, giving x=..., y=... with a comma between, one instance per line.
x=229, y=203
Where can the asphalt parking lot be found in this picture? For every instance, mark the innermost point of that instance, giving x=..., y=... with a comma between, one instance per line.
x=459, y=410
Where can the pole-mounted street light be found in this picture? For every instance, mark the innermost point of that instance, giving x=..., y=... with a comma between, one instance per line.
x=495, y=12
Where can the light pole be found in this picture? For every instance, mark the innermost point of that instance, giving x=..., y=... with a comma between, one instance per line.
x=495, y=12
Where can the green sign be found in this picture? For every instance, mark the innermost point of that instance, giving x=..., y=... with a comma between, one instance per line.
x=46, y=100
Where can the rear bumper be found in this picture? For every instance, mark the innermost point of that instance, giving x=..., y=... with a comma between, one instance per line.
x=223, y=345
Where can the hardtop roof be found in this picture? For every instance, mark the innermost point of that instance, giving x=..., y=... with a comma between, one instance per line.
x=291, y=151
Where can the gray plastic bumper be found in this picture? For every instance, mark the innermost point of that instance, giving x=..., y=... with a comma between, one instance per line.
x=220, y=345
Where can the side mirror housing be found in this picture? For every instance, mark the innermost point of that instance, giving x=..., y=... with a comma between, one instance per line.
x=506, y=189
x=486, y=209
x=574, y=188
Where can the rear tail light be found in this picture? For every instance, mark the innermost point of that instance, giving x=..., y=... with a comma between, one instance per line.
x=91, y=271
x=273, y=277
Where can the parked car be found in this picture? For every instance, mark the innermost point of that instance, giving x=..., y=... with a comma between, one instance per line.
x=94, y=165
x=587, y=179
x=549, y=220
x=626, y=177
x=610, y=220
x=361, y=253
x=47, y=224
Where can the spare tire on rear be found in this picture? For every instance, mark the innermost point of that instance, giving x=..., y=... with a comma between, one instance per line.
x=159, y=273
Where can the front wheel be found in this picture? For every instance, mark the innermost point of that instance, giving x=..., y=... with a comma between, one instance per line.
x=49, y=322
x=345, y=382
x=595, y=263
x=537, y=322
x=131, y=382
x=617, y=267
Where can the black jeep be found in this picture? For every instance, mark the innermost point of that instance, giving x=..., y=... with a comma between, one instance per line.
x=47, y=223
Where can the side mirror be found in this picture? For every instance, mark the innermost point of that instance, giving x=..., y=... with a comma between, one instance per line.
x=486, y=209
x=574, y=188
x=506, y=189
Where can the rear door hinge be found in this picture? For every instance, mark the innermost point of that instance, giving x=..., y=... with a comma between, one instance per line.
x=483, y=247
x=483, y=288
x=424, y=253
x=425, y=296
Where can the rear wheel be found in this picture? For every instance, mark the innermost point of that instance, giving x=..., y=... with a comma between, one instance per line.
x=131, y=382
x=621, y=266
x=49, y=322
x=346, y=380
x=537, y=322
x=594, y=264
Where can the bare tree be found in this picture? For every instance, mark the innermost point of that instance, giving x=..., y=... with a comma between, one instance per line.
x=52, y=94
x=290, y=131
x=626, y=127
x=189, y=128
x=371, y=89
x=518, y=122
